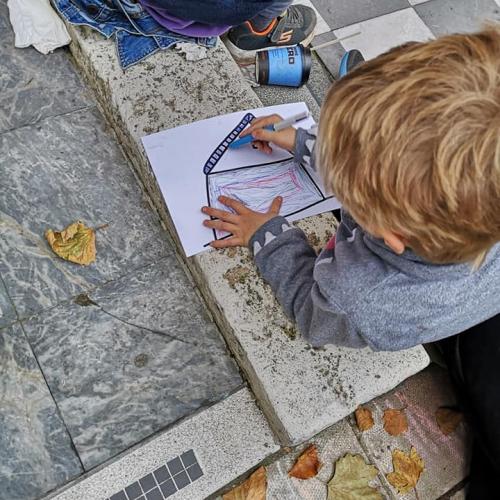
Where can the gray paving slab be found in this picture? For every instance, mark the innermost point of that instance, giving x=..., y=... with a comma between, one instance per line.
x=63, y=169
x=36, y=453
x=302, y=391
x=32, y=85
x=455, y=16
x=7, y=311
x=340, y=13
x=330, y=56
x=116, y=383
x=380, y=34
x=446, y=458
x=228, y=439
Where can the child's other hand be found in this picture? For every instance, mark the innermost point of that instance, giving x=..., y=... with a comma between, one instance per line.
x=242, y=225
x=283, y=138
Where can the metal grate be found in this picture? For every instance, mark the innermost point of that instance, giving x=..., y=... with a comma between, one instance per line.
x=163, y=482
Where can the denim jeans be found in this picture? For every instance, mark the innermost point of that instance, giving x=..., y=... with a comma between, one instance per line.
x=224, y=12
x=137, y=34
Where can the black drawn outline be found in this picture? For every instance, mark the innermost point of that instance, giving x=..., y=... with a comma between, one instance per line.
x=218, y=153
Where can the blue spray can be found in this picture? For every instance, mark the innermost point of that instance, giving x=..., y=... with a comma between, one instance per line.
x=288, y=66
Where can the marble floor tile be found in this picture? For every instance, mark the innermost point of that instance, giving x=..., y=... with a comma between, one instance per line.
x=36, y=453
x=457, y=16
x=115, y=383
x=340, y=13
x=7, y=311
x=33, y=85
x=64, y=169
x=382, y=33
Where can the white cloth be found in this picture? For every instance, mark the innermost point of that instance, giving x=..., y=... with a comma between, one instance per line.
x=36, y=23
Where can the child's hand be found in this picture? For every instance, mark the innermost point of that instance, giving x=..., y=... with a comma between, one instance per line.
x=242, y=224
x=283, y=138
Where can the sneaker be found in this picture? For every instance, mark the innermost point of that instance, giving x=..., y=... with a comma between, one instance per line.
x=349, y=61
x=296, y=25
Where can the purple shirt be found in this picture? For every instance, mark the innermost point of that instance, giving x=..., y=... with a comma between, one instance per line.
x=181, y=26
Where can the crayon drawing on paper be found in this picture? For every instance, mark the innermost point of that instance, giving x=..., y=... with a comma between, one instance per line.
x=194, y=165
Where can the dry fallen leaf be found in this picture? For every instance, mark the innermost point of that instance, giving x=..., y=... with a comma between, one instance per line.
x=364, y=418
x=351, y=478
x=254, y=488
x=395, y=422
x=448, y=419
x=307, y=465
x=407, y=470
x=76, y=243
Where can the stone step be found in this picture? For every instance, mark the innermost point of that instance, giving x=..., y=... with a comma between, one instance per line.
x=214, y=446
x=301, y=390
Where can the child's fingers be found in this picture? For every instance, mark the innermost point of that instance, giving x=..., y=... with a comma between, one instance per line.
x=220, y=225
x=220, y=214
x=238, y=207
x=263, y=146
x=261, y=122
x=275, y=205
x=227, y=242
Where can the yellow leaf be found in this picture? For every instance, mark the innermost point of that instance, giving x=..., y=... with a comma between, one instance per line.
x=351, y=478
x=395, y=422
x=254, y=488
x=307, y=465
x=76, y=243
x=407, y=470
x=448, y=419
x=364, y=418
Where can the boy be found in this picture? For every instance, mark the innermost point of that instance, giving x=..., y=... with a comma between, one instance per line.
x=410, y=144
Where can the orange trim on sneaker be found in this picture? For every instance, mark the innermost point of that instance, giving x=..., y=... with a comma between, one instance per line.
x=264, y=32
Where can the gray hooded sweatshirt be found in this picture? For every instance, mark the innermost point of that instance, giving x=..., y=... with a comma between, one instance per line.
x=359, y=293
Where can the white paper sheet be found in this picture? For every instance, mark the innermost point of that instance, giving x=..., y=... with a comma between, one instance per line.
x=180, y=156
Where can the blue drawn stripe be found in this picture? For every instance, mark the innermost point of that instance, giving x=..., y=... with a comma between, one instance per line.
x=222, y=147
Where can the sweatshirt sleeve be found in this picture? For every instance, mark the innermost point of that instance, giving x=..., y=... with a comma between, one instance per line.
x=287, y=262
x=304, y=150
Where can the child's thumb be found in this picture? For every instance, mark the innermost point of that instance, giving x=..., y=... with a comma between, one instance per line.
x=276, y=205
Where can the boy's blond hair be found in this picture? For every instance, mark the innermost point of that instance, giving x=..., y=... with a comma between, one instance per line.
x=410, y=142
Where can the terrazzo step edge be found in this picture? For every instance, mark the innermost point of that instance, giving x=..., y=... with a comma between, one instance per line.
x=221, y=442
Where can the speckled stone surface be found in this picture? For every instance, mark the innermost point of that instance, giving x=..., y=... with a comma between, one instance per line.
x=446, y=458
x=33, y=85
x=332, y=444
x=68, y=168
x=228, y=439
x=115, y=383
x=36, y=453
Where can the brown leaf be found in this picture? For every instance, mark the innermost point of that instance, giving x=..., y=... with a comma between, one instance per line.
x=307, y=465
x=351, y=478
x=364, y=418
x=407, y=470
x=76, y=243
x=395, y=422
x=254, y=488
x=448, y=419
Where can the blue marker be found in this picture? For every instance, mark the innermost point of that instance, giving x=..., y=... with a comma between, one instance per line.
x=275, y=127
